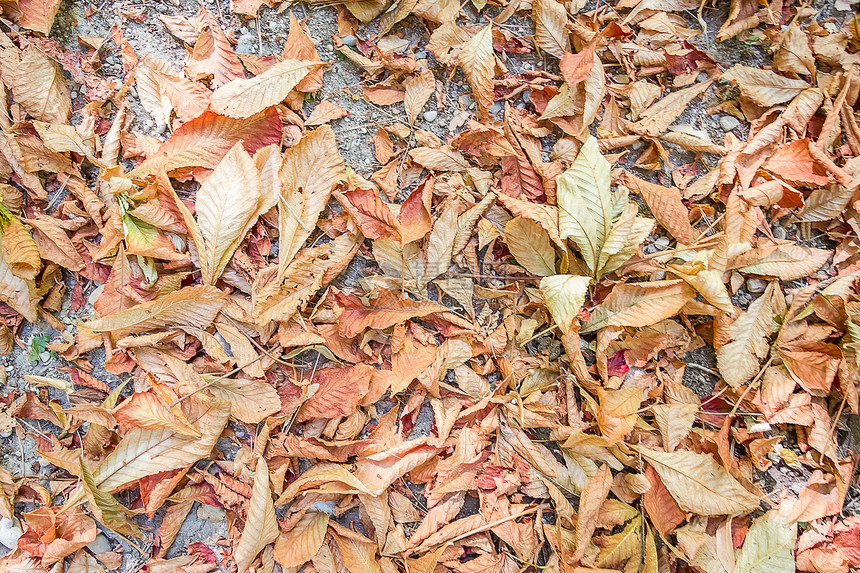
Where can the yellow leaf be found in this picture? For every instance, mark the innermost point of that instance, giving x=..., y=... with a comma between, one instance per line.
x=227, y=205
x=530, y=246
x=261, y=527
x=551, y=35
x=299, y=545
x=20, y=250
x=769, y=546
x=786, y=261
x=564, y=296
x=242, y=98
x=357, y=552
x=657, y=118
x=16, y=292
x=699, y=484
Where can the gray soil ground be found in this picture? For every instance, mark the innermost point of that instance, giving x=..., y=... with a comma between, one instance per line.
x=265, y=35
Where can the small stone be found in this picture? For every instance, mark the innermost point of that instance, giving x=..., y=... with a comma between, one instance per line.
x=756, y=285
x=45, y=356
x=349, y=40
x=209, y=513
x=779, y=233
x=497, y=107
x=774, y=457
x=622, y=79
x=247, y=44
x=431, y=115
x=74, y=95
x=420, y=55
x=703, y=76
x=662, y=242
x=527, y=96
x=728, y=123
x=252, y=24
x=100, y=544
x=6, y=434
x=10, y=532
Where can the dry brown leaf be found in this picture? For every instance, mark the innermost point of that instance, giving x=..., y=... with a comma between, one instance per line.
x=38, y=85
x=479, y=65
x=299, y=545
x=640, y=304
x=530, y=246
x=418, y=91
x=665, y=203
x=194, y=306
x=38, y=15
x=551, y=36
x=699, y=484
x=764, y=87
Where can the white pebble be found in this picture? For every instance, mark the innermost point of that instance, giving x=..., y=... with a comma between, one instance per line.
x=728, y=123
x=100, y=544
x=756, y=285
x=349, y=40
x=10, y=532
x=430, y=115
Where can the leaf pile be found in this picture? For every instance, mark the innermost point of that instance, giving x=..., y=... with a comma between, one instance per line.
x=478, y=357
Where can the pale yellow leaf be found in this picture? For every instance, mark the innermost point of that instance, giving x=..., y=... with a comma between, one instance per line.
x=144, y=452
x=251, y=401
x=18, y=293
x=564, y=296
x=675, y=421
x=38, y=85
x=309, y=172
x=242, y=98
x=261, y=527
x=226, y=203
x=769, y=546
x=739, y=360
x=657, y=118
x=786, y=262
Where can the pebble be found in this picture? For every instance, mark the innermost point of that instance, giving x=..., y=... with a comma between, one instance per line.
x=430, y=115
x=779, y=233
x=756, y=285
x=622, y=79
x=497, y=107
x=349, y=40
x=252, y=24
x=10, y=532
x=728, y=123
x=100, y=544
x=662, y=242
x=6, y=434
x=209, y=513
x=247, y=44
x=45, y=356
x=74, y=95
x=527, y=96
x=420, y=55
